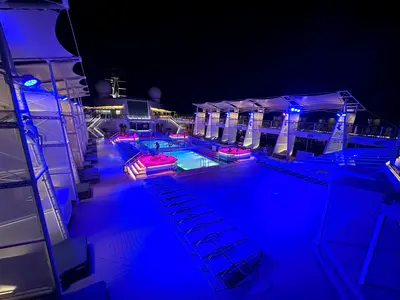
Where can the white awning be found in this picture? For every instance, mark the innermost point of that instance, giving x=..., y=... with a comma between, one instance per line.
x=328, y=102
x=31, y=34
x=245, y=105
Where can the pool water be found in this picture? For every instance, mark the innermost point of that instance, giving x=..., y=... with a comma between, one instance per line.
x=151, y=144
x=188, y=160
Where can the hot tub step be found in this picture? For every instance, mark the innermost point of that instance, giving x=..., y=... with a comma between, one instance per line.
x=141, y=164
x=130, y=172
x=133, y=169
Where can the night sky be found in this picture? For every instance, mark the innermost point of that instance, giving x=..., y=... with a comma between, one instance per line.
x=202, y=52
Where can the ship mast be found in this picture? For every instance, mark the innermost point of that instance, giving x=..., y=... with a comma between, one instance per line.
x=117, y=91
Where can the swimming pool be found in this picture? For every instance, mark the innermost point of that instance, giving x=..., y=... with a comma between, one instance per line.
x=151, y=144
x=188, y=160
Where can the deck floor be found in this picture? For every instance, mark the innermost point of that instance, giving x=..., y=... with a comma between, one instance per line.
x=138, y=255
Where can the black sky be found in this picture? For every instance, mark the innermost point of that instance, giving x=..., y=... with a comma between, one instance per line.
x=209, y=52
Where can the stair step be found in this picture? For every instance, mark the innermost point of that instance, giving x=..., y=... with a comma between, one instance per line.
x=131, y=173
x=140, y=170
x=137, y=166
x=132, y=167
x=141, y=164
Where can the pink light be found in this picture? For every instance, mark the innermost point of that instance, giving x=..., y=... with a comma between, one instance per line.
x=127, y=137
x=157, y=160
x=234, y=151
x=178, y=136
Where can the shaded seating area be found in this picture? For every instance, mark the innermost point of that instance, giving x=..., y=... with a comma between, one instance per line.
x=226, y=257
x=44, y=140
x=90, y=174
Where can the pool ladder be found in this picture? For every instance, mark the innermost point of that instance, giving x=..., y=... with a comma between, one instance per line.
x=204, y=163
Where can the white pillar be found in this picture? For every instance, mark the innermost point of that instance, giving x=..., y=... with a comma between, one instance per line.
x=199, y=121
x=338, y=136
x=253, y=135
x=230, y=130
x=212, y=128
x=286, y=138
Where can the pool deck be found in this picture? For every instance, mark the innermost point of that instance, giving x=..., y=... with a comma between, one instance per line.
x=139, y=256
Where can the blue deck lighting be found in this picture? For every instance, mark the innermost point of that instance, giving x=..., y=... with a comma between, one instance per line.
x=29, y=80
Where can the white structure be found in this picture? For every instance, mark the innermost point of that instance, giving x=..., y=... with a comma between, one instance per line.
x=212, y=129
x=341, y=103
x=252, y=139
x=199, y=123
x=286, y=137
x=230, y=130
x=137, y=114
x=43, y=136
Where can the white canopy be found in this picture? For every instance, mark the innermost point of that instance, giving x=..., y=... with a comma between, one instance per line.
x=31, y=34
x=331, y=101
x=33, y=42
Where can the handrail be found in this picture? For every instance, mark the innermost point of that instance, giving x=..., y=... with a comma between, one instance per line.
x=95, y=120
x=114, y=135
x=137, y=155
x=172, y=120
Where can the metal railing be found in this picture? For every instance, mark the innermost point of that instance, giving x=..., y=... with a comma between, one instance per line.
x=360, y=130
x=375, y=131
x=114, y=136
x=204, y=163
x=133, y=158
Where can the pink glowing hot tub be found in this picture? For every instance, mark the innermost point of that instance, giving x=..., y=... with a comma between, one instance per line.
x=178, y=136
x=233, y=152
x=126, y=137
x=158, y=163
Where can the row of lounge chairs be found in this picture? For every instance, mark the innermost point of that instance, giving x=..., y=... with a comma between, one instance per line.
x=88, y=174
x=225, y=256
x=74, y=256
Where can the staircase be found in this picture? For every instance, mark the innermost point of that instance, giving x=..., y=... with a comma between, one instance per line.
x=93, y=127
x=114, y=137
x=175, y=122
x=135, y=168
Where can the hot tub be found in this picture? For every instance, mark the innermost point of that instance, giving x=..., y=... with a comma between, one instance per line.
x=126, y=138
x=158, y=163
x=178, y=136
x=229, y=153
